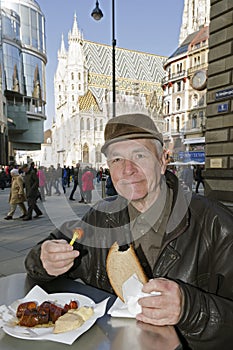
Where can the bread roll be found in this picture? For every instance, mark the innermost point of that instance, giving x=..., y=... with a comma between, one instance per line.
x=121, y=265
x=67, y=323
x=73, y=319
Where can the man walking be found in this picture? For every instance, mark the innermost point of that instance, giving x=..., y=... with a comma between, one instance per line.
x=31, y=181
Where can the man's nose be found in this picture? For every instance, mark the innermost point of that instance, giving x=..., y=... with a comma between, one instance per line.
x=129, y=166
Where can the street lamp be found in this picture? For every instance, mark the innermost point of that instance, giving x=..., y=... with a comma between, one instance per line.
x=97, y=14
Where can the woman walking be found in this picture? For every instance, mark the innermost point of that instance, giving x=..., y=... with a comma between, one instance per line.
x=17, y=195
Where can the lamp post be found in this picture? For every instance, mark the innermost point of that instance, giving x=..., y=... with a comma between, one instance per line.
x=97, y=14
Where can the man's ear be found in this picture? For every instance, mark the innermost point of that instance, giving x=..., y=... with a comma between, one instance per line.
x=163, y=162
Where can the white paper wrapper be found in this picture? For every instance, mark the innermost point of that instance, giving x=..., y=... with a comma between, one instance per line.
x=7, y=316
x=132, y=291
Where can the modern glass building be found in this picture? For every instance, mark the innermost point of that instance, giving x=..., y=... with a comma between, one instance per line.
x=22, y=77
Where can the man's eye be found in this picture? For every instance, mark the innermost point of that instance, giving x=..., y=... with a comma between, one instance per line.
x=140, y=155
x=117, y=160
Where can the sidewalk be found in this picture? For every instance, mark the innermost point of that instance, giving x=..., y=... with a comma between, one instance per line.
x=17, y=237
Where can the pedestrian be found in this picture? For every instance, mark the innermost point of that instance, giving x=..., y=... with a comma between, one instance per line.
x=3, y=179
x=87, y=184
x=42, y=182
x=32, y=191
x=17, y=195
x=64, y=178
x=76, y=182
x=110, y=188
x=182, y=241
x=198, y=177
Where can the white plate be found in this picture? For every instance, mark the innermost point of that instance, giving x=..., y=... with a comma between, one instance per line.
x=39, y=295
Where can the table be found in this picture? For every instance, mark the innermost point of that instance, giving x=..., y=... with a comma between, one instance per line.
x=107, y=334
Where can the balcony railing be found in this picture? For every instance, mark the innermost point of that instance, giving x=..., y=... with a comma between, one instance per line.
x=174, y=76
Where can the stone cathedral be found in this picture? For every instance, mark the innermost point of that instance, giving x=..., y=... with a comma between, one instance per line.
x=83, y=95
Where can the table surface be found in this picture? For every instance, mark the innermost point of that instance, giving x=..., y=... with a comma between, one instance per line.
x=107, y=333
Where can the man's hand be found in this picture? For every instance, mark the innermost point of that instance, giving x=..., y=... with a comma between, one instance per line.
x=57, y=256
x=164, y=309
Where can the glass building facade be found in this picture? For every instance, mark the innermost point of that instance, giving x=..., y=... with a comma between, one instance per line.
x=22, y=75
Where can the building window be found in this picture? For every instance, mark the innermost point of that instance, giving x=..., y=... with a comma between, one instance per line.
x=73, y=98
x=85, y=153
x=88, y=124
x=194, y=121
x=72, y=86
x=179, y=67
x=167, y=125
x=72, y=76
x=178, y=104
x=177, y=124
x=79, y=87
x=95, y=125
x=79, y=76
x=101, y=125
x=178, y=86
x=82, y=124
x=195, y=100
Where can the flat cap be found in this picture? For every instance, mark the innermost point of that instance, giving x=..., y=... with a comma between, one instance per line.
x=130, y=127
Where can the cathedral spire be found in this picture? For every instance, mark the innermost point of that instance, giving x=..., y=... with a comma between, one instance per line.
x=75, y=34
x=62, y=52
x=196, y=13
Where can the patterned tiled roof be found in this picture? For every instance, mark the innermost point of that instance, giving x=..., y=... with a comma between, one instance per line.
x=131, y=67
x=88, y=102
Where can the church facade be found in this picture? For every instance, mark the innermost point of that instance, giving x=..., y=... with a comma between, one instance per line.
x=83, y=95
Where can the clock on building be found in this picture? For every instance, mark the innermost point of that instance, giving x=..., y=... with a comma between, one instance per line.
x=199, y=79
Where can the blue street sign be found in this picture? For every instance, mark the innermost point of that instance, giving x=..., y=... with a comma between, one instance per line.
x=226, y=93
x=223, y=107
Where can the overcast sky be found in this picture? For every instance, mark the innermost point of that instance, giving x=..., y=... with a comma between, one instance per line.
x=151, y=26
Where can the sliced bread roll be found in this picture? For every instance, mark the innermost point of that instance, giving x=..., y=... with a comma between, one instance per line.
x=68, y=322
x=121, y=265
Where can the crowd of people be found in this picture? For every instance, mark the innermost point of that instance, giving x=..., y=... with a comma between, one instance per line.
x=29, y=183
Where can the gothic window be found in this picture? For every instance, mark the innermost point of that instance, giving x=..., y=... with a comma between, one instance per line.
x=95, y=125
x=59, y=98
x=179, y=86
x=72, y=76
x=85, y=153
x=79, y=87
x=59, y=88
x=178, y=104
x=168, y=107
x=194, y=121
x=88, y=124
x=82, y=124
x=98, y=153
x=167, y=125
x=72, y=86
x=101, y=125
x=73, y=98
x=177, y=124
x=79, y=76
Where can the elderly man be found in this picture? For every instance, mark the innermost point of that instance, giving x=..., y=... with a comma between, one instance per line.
x=183, y=241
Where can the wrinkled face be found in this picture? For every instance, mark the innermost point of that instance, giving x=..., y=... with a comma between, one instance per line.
x=135, y=168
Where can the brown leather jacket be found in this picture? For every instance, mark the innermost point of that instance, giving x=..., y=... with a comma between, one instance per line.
x=197, y=253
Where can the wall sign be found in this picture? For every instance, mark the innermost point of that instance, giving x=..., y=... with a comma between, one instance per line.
x=223, y=107
x=226, y=93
